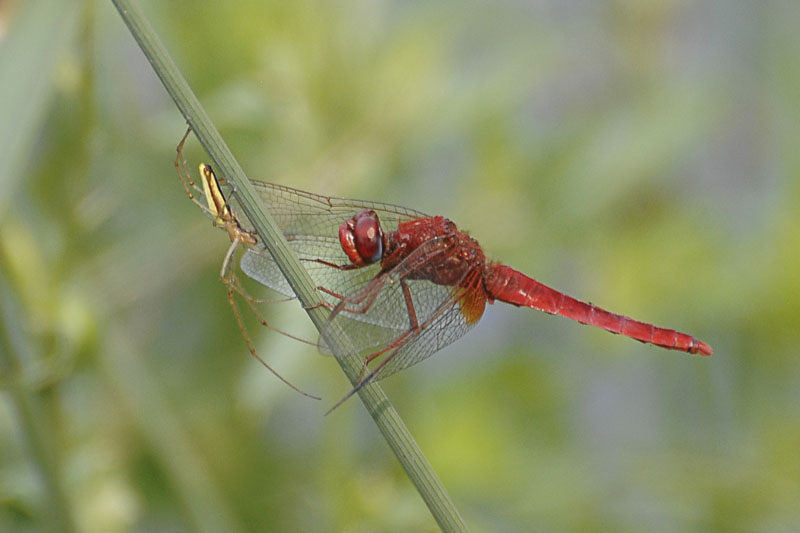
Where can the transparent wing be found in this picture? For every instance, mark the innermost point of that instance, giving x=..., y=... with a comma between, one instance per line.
x=446, y=325
x=310, y=223
x=306, y=217
x=376, y=314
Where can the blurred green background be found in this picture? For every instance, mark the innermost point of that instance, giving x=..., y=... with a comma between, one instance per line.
x=642, y=155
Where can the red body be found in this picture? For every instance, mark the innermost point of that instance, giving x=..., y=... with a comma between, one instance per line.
x=403, y=294
x=507, y=285
x=452, y=257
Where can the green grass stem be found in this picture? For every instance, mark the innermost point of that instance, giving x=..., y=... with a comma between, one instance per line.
x=372, y=396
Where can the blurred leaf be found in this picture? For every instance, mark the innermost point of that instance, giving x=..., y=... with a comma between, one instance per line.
x=29, y=55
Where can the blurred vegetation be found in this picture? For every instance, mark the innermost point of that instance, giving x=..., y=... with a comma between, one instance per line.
x=640, y=155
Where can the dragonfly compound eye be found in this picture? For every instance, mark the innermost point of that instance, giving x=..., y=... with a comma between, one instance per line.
x=368, y=236
x=361, y=238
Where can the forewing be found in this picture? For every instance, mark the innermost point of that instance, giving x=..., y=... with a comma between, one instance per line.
x=301, y=214
x=310, y=223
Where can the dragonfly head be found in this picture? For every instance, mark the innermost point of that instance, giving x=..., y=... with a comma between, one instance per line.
x=361, y=238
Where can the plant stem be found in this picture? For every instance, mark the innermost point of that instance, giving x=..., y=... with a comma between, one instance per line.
x=372, y=396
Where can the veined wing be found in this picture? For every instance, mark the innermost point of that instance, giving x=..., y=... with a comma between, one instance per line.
x=310, y=222
x=301, y=214
x=377, y=318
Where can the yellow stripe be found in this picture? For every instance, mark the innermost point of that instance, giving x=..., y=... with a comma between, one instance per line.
x=214, y=197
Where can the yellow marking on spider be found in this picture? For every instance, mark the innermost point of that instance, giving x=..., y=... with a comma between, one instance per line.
x=221, y=211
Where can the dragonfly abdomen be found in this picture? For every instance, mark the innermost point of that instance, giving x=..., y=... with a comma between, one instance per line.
x=508, y=285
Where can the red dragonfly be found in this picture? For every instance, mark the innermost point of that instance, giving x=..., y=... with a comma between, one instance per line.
x=402, y=284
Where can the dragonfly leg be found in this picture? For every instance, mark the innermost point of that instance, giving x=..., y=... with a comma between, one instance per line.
x=361, y=303
x=413, y=329
x=412, y=313
x=348, y=266
x=391, y=350
x=363, y=300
